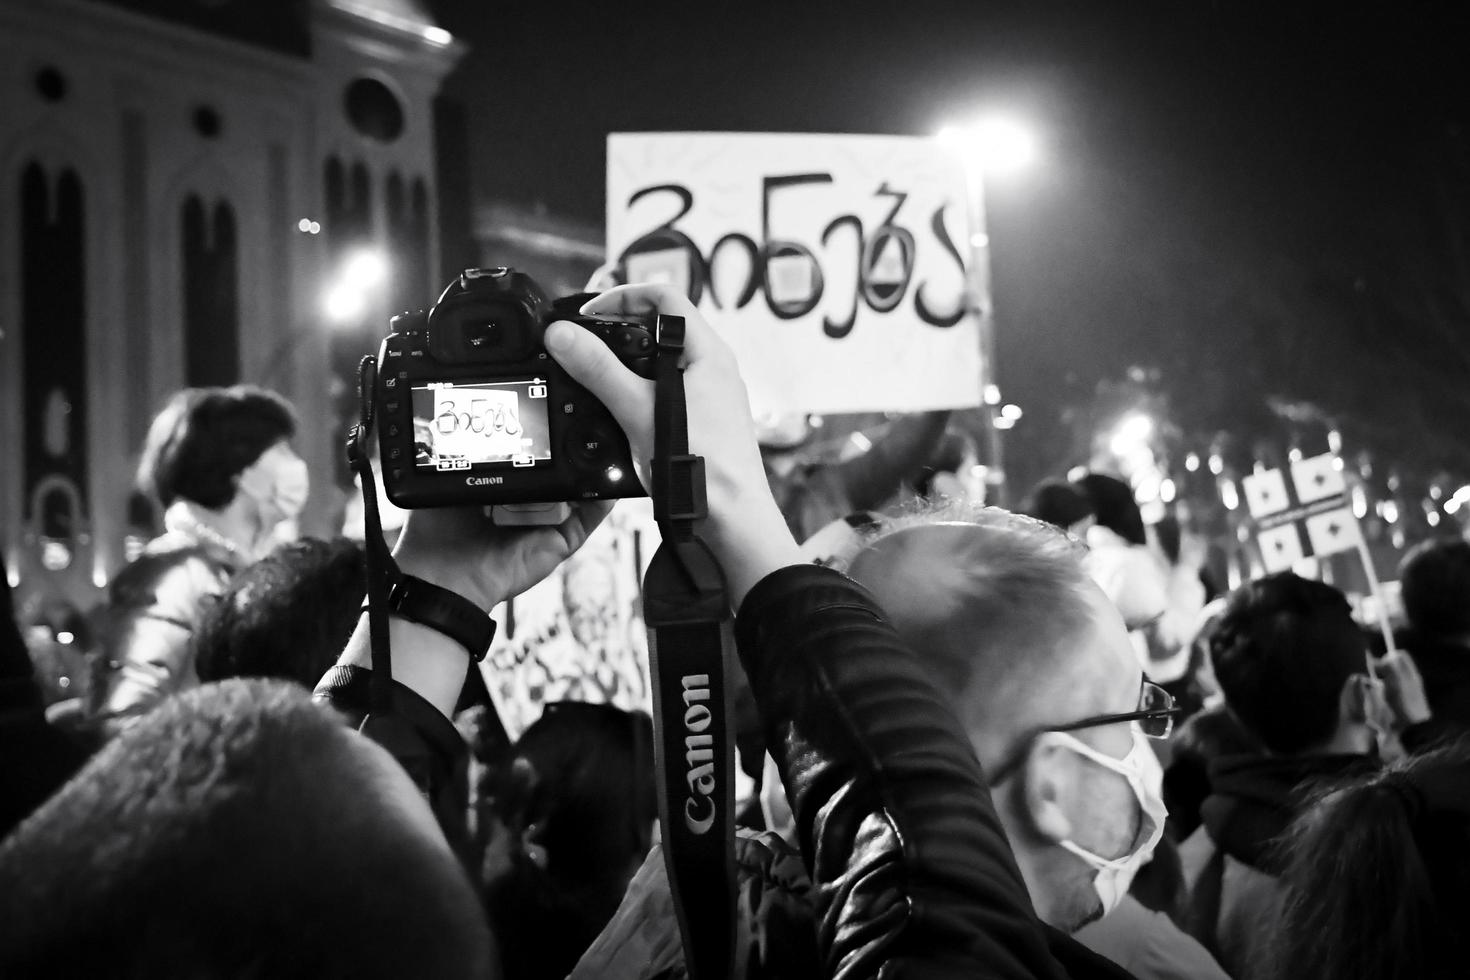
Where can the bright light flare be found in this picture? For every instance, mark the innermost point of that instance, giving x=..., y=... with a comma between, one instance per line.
x=995, y=144
x=344, y=303
x=1132, y=433
x=365, y=268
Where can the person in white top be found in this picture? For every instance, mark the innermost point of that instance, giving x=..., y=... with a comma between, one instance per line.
x=1130, y=573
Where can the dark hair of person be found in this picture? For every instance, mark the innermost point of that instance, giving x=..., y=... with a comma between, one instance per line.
x=238, y=830
x=1057, y=502
x=1113, y=505
x=288, y=615
x=582, y=787
x=1282, y=650
x=1379, y=876
x=1435, y=581
x=204, y=437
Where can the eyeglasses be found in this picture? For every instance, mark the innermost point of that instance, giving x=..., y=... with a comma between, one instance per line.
x=1154, y=716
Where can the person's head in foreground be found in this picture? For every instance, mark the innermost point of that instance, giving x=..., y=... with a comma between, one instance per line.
x=286, y=616
x=1380, y=876
x=1291, y=663
x=1045, y=682
x=238, y=830
x=224, y=454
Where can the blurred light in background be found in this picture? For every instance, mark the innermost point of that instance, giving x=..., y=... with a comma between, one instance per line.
x=1228, y=495
x=346, y=298
x=995, y=144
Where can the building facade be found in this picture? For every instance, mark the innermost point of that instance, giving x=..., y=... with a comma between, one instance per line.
x=182, y=180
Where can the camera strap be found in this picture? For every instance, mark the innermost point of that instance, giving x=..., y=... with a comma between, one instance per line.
x=385, y=582
x=686, y=608
x=381, y=569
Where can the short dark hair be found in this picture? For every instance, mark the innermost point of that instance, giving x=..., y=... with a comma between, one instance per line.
x=1435, y=581
x=236, y=830
x=1379, y=875
x=1113, y=504
x=288, y=615
x=1057, y=502
x=582, y=776
x=204, y=437
x=1282, y=650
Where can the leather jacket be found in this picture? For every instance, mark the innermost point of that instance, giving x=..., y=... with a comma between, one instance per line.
x=153, y=608
x=907, y=873
x=912, y=875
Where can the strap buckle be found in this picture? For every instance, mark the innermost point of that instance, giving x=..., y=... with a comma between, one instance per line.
x=679, y=489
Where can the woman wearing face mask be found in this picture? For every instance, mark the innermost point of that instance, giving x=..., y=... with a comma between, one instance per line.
x=219, y=461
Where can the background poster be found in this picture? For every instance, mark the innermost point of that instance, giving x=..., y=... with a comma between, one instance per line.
x=578, y=635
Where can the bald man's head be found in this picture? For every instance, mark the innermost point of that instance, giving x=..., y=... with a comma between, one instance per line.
x=1000, y=609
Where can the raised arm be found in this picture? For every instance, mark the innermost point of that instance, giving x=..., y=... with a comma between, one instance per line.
x=913, y=875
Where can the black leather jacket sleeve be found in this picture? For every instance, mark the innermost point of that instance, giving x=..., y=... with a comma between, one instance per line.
x=424, y=742
x=912, y=873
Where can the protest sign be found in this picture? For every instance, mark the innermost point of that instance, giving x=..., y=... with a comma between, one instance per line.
x=834, y=266
x=1307, y=515
x=578, y=635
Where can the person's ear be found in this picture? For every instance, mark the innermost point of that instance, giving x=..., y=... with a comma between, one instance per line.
x=1046, y=780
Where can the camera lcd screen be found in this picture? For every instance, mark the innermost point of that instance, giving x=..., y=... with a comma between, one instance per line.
x=461, y=424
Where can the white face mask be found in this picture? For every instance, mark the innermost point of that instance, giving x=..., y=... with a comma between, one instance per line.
x=279, y=482
x=1140, y=767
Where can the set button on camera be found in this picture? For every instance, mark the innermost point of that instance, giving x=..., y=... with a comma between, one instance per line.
x=587, y=444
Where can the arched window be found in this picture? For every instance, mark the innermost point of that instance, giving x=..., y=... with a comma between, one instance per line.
x=54, y=327
x=211, y=294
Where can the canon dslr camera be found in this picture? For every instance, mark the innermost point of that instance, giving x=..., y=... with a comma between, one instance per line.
x=472, y=410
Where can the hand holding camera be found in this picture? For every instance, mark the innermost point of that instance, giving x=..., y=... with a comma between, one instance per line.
x=497, y=396
x=745, y=528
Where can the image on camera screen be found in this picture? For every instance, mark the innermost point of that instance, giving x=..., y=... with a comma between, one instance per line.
x=457, y=425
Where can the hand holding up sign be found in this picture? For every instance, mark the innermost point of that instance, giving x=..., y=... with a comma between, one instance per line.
x=1403, y=687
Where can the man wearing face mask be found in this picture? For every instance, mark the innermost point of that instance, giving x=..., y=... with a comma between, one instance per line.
x=220, y=463
x=1292, y=666
x=1041, y=673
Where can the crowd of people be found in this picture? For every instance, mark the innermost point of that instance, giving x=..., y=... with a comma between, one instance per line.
x=1038, y=743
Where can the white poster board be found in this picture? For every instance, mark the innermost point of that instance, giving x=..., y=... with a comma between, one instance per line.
x=835, y=266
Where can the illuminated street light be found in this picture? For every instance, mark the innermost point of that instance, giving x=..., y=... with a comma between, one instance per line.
x=995, y=143
x=346, y=299
x=365, y=268
x=344, y=303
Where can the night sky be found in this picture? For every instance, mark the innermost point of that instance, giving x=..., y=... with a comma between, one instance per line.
x=1242, y=199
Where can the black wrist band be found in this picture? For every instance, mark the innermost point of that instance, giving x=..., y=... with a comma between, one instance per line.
x=447, y=612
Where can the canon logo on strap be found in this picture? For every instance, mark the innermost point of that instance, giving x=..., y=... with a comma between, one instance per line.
x=699, y=755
